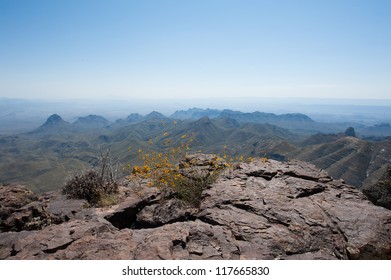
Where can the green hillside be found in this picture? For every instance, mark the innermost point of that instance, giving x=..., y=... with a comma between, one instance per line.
x=57, y=149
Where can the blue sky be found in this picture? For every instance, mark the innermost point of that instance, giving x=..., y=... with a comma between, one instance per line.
x=195, y=49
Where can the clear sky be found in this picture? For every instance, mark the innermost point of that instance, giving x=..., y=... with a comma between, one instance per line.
x=195, y=49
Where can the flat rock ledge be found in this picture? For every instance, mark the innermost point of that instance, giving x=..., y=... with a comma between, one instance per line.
x=262, y=209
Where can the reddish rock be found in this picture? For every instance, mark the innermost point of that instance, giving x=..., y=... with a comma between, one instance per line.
x=257, y=210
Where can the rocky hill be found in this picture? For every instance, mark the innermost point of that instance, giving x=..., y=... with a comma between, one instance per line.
x=91, y=122
x=263, y=209
x=53, y=125
x=43, y=158
x=359, y=162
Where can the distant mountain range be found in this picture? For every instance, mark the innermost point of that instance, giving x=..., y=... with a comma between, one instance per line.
x=44, y=157
x=297, y=123
x=196, y=113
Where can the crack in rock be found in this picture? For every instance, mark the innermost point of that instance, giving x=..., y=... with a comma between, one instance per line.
x=61, y=247
x=308, y=192
x=267, y=175
x=306, y=177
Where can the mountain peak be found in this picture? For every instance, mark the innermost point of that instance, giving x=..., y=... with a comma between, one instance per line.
x=133, y=117
x=53, y=119
x=350, y=132
x=154, y=115
x=92, y=120
x=54, y=124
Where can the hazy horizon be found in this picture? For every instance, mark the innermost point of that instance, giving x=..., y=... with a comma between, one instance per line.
x=327, y=59
x=169, y=106
x=171, y=50
x=21, y=115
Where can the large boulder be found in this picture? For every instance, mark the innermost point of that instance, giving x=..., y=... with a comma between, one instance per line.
x=380, y=192
x=262, y=209
x=21, y=209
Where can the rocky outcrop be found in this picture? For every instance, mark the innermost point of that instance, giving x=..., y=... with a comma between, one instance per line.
x=380, y=192
x=350, y=132
x=13, y=198
x=262, y=209
x=22, y=210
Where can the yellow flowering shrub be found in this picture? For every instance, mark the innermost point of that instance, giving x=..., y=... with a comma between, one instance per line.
x=163, y=170
x=171, y=169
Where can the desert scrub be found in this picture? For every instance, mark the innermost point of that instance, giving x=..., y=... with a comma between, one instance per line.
x=192, y=183
x=97, y=186
x=185, y=181
x=176, y=172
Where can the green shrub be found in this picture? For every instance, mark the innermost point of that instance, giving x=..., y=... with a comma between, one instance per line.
x=176, y=172
x=189, y=187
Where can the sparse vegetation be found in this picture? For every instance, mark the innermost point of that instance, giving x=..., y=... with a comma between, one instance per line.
x=174, y=172
x=189, y=188
x=97, y=186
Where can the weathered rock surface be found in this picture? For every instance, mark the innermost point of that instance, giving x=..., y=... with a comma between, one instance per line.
x=380, y=192
x=256, y=210
x=19, y=209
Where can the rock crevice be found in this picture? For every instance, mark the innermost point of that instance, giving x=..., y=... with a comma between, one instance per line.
x=258, y=210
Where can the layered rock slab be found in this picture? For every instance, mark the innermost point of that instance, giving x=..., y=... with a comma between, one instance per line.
x=262, y=209
x=294, y=211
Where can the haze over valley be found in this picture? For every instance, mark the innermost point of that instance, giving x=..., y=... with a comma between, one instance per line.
x=355, y=147
x=22, y=115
